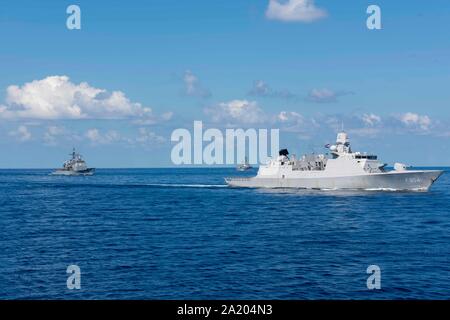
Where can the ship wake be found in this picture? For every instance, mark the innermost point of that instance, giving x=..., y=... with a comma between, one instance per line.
x=178, y=185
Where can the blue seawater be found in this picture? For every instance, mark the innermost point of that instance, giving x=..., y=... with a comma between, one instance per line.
x=181, y=234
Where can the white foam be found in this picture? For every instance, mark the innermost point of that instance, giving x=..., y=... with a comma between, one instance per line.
x=382, y=189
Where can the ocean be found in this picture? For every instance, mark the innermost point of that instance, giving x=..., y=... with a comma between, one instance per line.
x=182, y=234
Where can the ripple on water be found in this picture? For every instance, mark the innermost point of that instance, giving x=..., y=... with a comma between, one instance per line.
x=179, y=234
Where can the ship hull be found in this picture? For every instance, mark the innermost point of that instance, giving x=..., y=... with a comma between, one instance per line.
x=88, y=172
x=419, y=180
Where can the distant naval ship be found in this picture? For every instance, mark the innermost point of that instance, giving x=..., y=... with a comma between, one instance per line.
x=75, y=166
x=345, y=169
x=244, y=166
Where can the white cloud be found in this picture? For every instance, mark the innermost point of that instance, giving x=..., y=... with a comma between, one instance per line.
x=415, y=120
x=237, y=111
x=444, y=134
x=365, y=132
x=282, y=116
x=144, y=137
x=56, y=97
x=285, y=116
x=96, y=137
x=52, y=134
x=291, y=121
x=325, y=95
x=149, y=137
x=21, y=133
x=190, y=82
x=262, y=89
x=167, y=116
x=192, y=85
x=294, y=10
x=370, y=119
x=55, y=130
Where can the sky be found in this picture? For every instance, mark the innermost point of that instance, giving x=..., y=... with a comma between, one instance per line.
x=118, y=87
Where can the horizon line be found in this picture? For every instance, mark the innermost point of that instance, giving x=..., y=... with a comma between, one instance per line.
x=189, y=167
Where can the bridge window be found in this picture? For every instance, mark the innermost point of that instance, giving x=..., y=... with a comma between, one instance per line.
x=370, y=157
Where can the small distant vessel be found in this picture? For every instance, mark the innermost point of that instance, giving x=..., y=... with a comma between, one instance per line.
x=345, y=169
x=75, y=166
x=244, y=166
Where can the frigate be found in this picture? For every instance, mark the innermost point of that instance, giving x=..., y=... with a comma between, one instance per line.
x=340, y=169
x=76, y=166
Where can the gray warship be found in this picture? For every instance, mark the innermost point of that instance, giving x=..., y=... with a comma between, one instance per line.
x=345, y=169
x=76, y=166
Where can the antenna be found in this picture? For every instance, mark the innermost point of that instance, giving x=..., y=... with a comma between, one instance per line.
x=342, y=125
